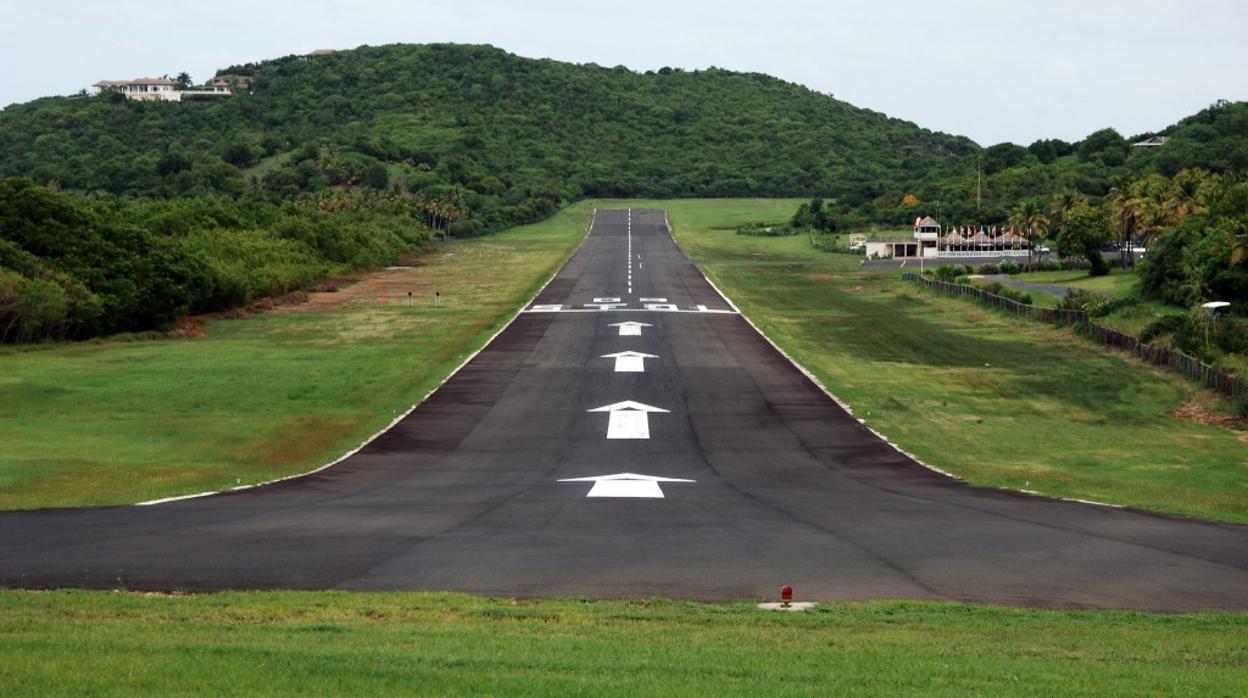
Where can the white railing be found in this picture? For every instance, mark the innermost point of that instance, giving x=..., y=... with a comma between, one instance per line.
x=981, y=253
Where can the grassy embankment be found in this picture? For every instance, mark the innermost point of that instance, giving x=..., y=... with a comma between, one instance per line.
x=278, y=393
x=76, y=643
x=997, y=400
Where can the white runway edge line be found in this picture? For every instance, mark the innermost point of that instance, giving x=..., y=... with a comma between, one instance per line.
x=845, y=406
x=593, y=216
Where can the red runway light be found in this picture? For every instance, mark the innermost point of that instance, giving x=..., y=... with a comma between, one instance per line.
x=786, y=593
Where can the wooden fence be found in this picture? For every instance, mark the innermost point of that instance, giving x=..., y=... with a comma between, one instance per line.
x=1165, y=357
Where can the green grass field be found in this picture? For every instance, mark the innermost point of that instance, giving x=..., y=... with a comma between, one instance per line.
x=1119, y=283
x=99, y=643
x=119, y=421
x=997, y=400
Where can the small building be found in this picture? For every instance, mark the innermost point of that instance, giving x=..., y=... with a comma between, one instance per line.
x=1154, y=142
x=159, y=90
x=925, y=242
x=231, y=83
x=142, y=89
x=927, y=231
x=894, y=247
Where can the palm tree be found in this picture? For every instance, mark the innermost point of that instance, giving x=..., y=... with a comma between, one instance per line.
x=1239, y=241
x=1029, y=217
x=1060, y=208
x=1128, y=215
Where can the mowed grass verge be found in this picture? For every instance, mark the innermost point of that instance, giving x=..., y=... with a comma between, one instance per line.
x=99, y=643
x=118, y=421
x=997, y=400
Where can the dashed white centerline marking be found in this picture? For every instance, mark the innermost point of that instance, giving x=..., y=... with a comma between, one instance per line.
x=630, y=251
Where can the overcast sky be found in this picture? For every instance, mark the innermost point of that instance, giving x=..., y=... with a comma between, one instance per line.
x=992, y=70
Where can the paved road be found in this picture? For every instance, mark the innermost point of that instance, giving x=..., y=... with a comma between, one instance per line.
x=466, y=493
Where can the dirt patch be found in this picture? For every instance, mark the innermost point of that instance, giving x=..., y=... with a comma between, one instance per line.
x=1199, y=409
x=389, y=285
x=187, y=328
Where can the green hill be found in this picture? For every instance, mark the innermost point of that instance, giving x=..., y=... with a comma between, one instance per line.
x=497, y=137
x=1214, y=140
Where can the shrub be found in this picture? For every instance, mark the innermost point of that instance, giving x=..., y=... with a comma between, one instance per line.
x=1239, y=405
x=999, y=289
x=1097, y=265
x=1162, y=326
x=465, y=229
x=767, y=232
x=1048, y=265
x=1074, y=264
x=988, y=269
x=948, y=272
x=1009, y=266
x=1079, y=299
x=1112, y=306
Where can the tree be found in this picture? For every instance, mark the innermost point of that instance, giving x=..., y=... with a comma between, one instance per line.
x=1127, y=213
x=1029, y=217
x=183, y=80
x=1003, y=156
x=1087, y=228
x=1106, y=145
x=1061, y=207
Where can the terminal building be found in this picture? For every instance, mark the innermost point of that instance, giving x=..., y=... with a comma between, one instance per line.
x=925, y=242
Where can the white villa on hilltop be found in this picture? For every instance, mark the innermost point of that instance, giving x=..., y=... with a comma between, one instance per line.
x=158, y=90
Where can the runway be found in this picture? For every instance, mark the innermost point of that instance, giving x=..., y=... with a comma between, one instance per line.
x=727, y=474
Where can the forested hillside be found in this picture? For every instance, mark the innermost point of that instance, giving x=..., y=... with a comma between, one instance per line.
x=985, y=187
x=474, y=133
x=121, y=215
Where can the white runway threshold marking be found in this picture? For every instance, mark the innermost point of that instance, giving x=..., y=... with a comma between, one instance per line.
x=622, y=308
x=626, y=485
x=630, y=328
x=629, y=361
x=629, y=419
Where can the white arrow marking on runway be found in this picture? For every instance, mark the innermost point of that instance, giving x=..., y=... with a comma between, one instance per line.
x=626, y=485
x=629, y=420
x=629, y=361
x=629, y=329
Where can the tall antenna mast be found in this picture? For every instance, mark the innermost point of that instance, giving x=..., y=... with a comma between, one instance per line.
x=979, y=178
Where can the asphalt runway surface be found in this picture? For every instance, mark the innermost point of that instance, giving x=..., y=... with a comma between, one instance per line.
x=771, y=483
